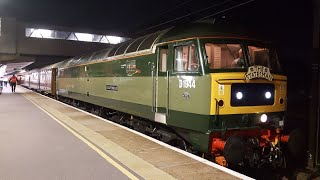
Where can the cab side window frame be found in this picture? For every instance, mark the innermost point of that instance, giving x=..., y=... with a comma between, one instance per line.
x=186, y=58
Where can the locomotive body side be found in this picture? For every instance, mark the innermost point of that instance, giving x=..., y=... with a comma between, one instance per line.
x=108, y=85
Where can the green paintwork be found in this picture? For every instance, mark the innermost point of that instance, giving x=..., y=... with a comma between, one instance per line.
x=199, y=99
x=124, y=106
x=130, y=89
x=115, y=68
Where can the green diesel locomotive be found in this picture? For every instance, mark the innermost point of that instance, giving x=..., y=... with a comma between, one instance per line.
x=213, y=93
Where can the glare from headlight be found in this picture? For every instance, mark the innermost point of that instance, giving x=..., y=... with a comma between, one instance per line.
x=263, y=118
x=267, y=95
x=239, y=95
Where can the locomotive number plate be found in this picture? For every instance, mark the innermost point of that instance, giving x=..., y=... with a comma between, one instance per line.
x=187, y=83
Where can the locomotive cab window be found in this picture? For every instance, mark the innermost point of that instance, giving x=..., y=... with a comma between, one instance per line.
x=264, y=57
x=259, y=56
x=240, y=56
x=224, y=56
x=186, y=59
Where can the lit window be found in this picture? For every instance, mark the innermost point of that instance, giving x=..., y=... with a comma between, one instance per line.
x=75, y=36
x=84, y=37
x=224, y=56
x=72, y=36
x=114, y=39
x=104, y=40
x=3, y=70
x=97, y=38
x=163, y=60
x=186, y=59
x=35, y=33
x=29, y=31
x=46, y=33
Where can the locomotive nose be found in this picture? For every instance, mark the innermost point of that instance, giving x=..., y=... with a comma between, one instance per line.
x=234, y=150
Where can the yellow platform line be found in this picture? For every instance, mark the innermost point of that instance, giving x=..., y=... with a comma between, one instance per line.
x=136, y=164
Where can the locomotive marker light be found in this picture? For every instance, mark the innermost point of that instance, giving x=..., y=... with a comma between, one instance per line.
x=263, y=118
x=239, y=95
x=267, y=95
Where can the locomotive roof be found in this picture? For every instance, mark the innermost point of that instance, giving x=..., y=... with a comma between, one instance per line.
x=145, y=43
x=201, y=30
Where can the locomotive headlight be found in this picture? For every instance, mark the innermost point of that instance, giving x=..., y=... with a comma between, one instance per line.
x=267, y=95
x=239, y=95
x=263, y=118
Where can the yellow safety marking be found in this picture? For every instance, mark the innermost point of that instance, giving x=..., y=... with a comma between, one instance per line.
x=221, y=90
x=106, y=157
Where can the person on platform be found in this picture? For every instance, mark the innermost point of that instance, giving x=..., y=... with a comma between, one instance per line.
x=13, y=83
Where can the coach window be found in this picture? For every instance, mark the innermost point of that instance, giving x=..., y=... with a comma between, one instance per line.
x=186, y=59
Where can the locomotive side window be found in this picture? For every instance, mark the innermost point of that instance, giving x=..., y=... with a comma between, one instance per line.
x=186, y=59
x=259, y=56
x=224, y=56
x=163, y=60
x=264, y=57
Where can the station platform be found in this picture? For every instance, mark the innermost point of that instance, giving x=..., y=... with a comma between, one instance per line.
x=42, y=138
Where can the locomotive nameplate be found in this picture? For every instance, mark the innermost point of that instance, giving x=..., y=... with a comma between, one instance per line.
x=111, y=88
x=258, y=72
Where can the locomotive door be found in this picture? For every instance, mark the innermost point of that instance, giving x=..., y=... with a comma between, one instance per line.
x=161, y=85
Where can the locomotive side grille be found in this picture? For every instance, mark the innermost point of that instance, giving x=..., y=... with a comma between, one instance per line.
x=252, y=94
